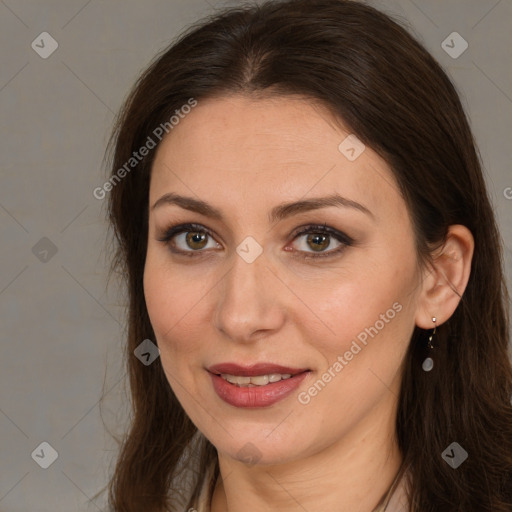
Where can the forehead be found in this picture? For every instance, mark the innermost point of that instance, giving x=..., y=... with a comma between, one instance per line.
x=253, y=152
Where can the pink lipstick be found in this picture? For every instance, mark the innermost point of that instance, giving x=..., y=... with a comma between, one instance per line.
x=258, y=385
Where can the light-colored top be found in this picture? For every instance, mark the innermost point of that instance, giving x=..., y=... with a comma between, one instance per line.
x=397, y=502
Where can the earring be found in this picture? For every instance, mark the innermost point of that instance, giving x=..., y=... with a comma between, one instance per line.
x=428, y=364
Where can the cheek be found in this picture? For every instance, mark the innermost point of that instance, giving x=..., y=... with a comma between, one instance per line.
x=367, y=313
x=173, y=300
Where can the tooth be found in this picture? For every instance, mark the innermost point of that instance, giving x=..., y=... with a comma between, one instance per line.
x=229, y=378
x=257, y=380
x=260, y=380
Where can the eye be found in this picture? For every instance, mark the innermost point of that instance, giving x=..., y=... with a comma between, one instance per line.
x=191, y=239
x=188, y=238
x=317, y=239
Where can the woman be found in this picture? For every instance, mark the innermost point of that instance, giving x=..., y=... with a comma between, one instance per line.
x=307, y=237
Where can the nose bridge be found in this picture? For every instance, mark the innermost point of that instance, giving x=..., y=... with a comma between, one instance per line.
x=247, y=302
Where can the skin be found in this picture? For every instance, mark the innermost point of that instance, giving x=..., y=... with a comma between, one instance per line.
x=245, y=156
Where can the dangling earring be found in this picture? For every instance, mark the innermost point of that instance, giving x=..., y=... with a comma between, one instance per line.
x=428, y=364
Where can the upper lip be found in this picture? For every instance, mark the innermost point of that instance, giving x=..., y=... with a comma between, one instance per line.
x=253, y=370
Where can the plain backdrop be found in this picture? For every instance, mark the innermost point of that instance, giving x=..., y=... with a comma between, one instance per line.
x=62, y=330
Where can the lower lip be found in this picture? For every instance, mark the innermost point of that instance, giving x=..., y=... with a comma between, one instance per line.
x=257, y=396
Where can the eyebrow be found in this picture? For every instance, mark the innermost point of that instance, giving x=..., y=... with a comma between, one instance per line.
x=278, y=213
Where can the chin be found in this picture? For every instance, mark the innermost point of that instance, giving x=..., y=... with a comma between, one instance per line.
x=258, y=450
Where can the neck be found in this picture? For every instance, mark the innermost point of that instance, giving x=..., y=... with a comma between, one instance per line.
x=351, y=475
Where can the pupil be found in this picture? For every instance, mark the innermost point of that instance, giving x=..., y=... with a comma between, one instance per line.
x=319, y=240
x=196, y=238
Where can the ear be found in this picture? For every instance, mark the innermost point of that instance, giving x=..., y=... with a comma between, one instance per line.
x=444, y=282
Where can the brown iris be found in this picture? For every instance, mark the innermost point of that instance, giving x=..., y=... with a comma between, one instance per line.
x=320, y=241
x=196, y=237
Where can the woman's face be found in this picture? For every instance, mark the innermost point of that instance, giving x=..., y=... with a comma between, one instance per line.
x=326, y=291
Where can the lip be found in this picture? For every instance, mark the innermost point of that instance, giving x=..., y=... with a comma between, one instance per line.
x=257, y=396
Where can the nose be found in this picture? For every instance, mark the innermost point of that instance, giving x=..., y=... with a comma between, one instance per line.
x=249, y=302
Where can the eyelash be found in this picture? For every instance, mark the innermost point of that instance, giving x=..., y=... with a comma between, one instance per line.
x=316, y=229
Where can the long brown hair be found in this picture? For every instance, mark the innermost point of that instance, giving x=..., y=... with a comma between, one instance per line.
x=371, y=73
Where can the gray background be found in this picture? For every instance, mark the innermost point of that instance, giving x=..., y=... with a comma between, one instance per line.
x=62, y=330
